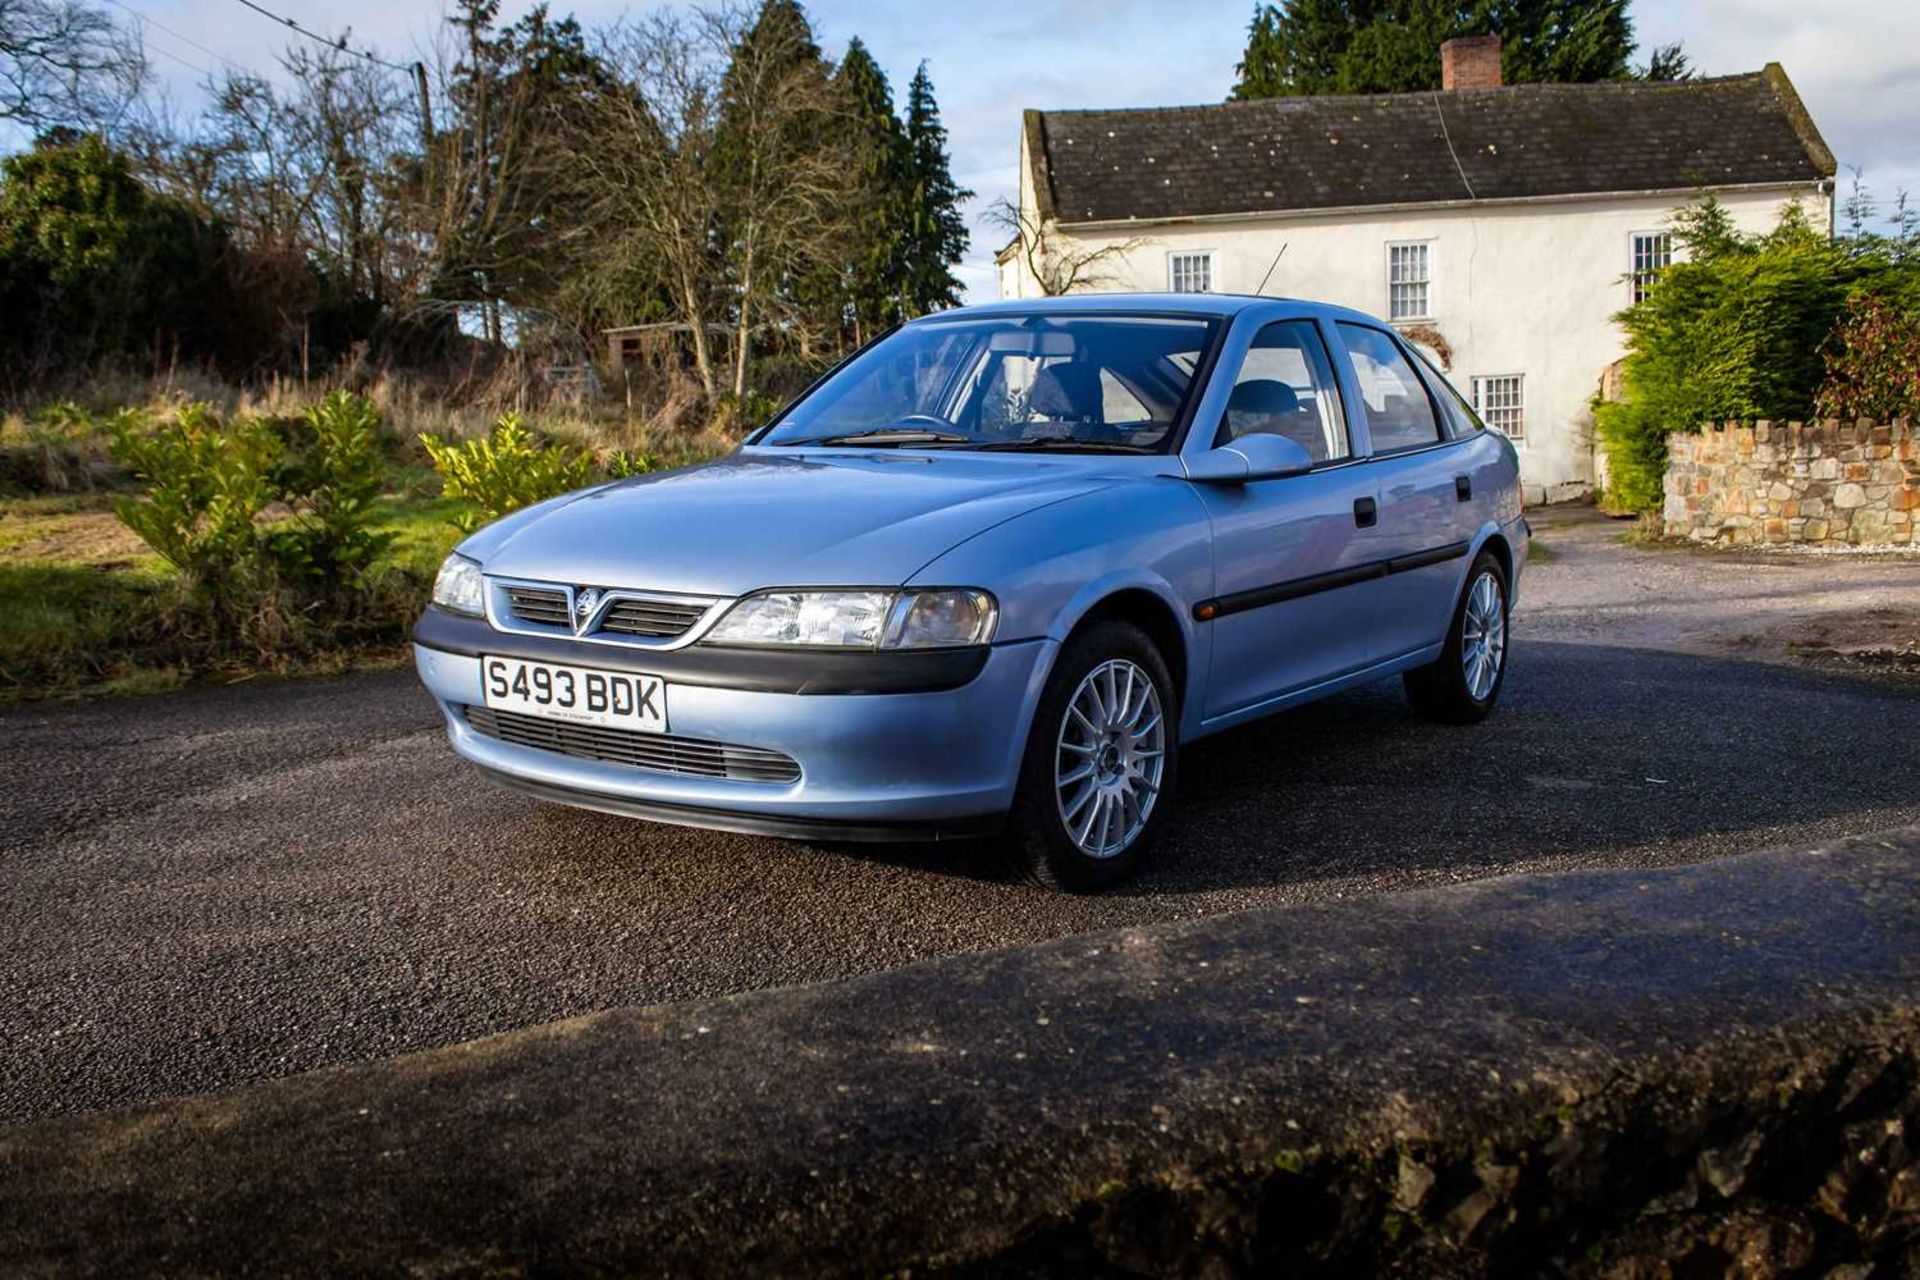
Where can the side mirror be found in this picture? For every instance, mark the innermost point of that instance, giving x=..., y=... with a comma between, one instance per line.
x=1253, y=457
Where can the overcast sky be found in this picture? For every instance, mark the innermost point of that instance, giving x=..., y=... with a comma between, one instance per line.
x=1855, y=62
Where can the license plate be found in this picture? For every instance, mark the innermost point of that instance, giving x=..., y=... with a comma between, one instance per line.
x=582, y=695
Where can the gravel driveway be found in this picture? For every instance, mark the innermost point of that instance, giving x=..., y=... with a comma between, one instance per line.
x=228, y=884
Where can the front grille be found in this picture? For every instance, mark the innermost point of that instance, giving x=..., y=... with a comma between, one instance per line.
x=546, y=606
x=656, y=618
x=658, y=752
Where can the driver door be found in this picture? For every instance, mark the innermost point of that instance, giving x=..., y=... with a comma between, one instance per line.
x=1292, y=597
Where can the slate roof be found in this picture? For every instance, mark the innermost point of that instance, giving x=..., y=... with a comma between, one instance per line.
x=1517, y=142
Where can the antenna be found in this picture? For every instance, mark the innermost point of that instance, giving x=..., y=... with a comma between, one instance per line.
x=1270, y=266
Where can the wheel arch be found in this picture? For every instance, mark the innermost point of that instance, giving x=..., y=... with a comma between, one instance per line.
x=1154, y=615
x=1495, y=540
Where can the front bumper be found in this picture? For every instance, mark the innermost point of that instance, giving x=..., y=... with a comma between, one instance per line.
x=922, y=764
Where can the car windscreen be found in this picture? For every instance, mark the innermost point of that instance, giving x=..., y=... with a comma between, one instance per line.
x=1093, y=382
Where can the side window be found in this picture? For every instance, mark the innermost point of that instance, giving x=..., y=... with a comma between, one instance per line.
x=1286, y=388
x=1462, y=418
x=1117, y=404
x=1399, y=411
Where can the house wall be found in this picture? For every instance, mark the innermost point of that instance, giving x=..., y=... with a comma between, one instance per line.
x=1524, y=288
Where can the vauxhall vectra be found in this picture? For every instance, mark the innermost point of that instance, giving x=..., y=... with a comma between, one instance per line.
x=989, y=576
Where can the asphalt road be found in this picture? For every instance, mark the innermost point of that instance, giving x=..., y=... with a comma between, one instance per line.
x=229, y=884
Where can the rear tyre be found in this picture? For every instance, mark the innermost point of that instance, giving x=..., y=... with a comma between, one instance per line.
x=1463, y=684
x=1100, y=764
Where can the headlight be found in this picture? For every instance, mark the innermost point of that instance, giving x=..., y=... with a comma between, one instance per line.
x=939, y=619
x=458, y=586
x=859, y=619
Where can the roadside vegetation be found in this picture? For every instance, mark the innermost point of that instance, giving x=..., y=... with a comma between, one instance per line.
x=1788, y=326
x=146, y=546
x=263, y=360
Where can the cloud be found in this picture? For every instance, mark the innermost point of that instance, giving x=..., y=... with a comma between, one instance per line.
x=1855, y=62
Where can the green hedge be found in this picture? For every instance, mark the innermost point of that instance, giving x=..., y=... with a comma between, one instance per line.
x=1744, y=327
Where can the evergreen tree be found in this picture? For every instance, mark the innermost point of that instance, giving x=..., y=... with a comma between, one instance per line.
x=782, y=186
x=510, y=198
x=938, y=235
x=881, y=160
x=1667, y=62
x=93, y=264
x=1262, y=69
x=1393, y=46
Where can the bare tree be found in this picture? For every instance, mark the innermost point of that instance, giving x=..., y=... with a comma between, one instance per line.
x=354, y=124
x=713, y=175
x=502, y=195
x=646, y=155
x=1055, y=263
x=783, y=187
x=64, y=62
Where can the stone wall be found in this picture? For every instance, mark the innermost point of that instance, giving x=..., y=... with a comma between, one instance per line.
x=1826, y=483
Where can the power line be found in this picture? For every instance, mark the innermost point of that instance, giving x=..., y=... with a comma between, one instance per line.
x=156, y=24
x=340, y=44
x=188, y=64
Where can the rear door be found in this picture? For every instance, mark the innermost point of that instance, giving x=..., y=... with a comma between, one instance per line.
x=1427, y=515
x=1292, y=606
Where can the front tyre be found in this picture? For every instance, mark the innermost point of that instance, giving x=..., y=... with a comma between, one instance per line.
x=1100, y=762
x=1463, y=685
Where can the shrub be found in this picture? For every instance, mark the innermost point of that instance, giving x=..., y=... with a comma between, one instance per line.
x=274, y=541
x=335, y=480
x=206, y=487
x=1736, y=330
x=93, y=264
x=1873, y=362
x=510, y=468
x=622, y=463
x=737, y=415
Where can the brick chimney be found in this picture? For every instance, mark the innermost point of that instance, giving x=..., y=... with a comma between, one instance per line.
x=1470, y=62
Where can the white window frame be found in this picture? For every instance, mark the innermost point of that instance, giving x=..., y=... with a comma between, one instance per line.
x=1210, y=256
x=1634, y=270
x=1518, y=408
x=1429, y=283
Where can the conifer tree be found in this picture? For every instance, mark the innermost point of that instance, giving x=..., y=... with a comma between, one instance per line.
x=881, y=161
x=938, y=238
x=1393, y=46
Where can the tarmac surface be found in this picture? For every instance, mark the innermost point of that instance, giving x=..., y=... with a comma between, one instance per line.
x=232, y=884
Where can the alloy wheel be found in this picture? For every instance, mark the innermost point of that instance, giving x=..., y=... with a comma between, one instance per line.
x=1483, y=636
x=1110, y=758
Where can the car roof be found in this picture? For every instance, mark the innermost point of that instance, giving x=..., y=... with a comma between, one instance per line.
x=1196, y=304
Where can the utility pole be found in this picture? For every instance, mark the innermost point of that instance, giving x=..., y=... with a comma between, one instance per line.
x=426, y=107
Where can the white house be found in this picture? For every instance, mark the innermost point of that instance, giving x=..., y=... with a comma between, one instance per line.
x=1501, y=227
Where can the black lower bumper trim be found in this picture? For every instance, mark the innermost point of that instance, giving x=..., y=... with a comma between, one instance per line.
x=754, y=670
x=755, y=824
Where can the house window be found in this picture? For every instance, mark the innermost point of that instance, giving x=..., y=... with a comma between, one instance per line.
x=1502, y=404
x=1409, y=281
x=1190, y=272
x=1652, y=250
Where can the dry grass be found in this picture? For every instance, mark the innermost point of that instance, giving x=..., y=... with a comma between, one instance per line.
x=86, y=608
x=670, y=417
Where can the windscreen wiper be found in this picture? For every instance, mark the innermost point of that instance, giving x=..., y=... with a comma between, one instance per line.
x=883, y=436
x=1042, y=443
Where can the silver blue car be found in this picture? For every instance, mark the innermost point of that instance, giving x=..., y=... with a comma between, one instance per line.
x=990, y=575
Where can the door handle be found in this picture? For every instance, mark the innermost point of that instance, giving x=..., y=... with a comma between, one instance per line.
x=1366, y=512
x=1463, y=487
